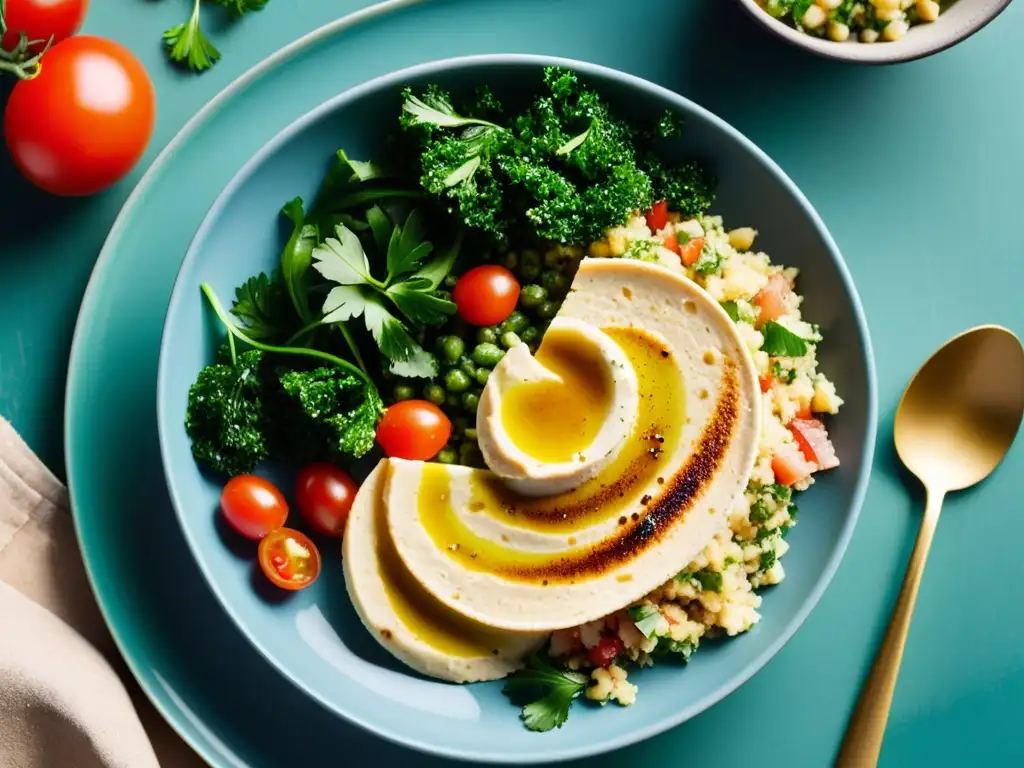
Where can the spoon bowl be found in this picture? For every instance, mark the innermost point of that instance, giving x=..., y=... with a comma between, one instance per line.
x=961, y=412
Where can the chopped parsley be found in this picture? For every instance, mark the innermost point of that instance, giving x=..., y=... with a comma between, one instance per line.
x=767, y=559
x=710, y=581
x=646, y=617
x=779, y=341
x=785, y=375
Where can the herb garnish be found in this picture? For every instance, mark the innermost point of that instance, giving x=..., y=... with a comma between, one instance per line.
x=544, y=693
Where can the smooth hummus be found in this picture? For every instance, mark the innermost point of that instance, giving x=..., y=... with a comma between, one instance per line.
x=526, y=563
x=405, y=618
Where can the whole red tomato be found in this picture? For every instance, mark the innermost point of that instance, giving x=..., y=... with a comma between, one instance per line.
x=84, y=121
x=41, y=19
x=324, y=495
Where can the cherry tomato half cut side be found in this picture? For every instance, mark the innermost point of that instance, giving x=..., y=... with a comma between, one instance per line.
x=253, y=506
x=289, y=559
x=324, y=495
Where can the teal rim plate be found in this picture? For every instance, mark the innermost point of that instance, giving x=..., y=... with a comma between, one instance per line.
x=196, y=668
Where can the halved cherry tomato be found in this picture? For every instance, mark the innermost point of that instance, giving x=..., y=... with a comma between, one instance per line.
x=690, y=252
x=790, y=466
x=772, y=299
x=84, y=120
x=812, y=437
x=253, y=506
x=657, y=217
x=671, y=242
x=486, y=295
x=606, y=651
x=289, y=559
x=41, y=19
x=324, y=495
x=414, y=430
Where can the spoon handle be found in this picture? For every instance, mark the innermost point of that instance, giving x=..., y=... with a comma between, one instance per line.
x=863, y=741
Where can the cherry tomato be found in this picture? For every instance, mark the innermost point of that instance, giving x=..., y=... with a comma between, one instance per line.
x=253, y=506
x=84, y=121
x=414, y=430
x=690, y=252
x=606, y=651
x=486, y=295
x=324, y=495
x=289, y=559
x=41, y=19
x=657, y=217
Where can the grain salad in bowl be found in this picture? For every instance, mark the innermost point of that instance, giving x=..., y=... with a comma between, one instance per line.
x=867, y=21
x=585, y=401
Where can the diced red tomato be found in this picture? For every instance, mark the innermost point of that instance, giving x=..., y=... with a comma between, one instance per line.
x=606, y=651
x=657, y=217
x=671, y=242
x=690, y=252
x=790, y=466
x=772, y=299
x=765, y=382
x=804, y=412
x=811, y=436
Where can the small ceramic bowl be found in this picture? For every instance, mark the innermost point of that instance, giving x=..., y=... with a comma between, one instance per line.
x=958, y=22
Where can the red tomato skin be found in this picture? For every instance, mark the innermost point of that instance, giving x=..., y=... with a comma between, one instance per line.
x=486, y=295
x=771, y=300
x=606, y=651
x=253, y=506
x=413, y=429
x=278, y=568
x=39, y=19
x=657, y=217
x=690, y=252
x=812, y=437
x=324, y=495
x=84, y=121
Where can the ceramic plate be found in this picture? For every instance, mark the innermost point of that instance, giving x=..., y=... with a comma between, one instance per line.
x=314, y=637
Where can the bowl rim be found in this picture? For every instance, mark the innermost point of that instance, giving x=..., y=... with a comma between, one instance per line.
x=876, y=54
x=396, y=79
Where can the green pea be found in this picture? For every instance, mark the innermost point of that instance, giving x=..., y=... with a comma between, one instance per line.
x=556, y=283
x=487, y=354
x=548, y=309
x=447, y=455
x=532, y=296
x=515, y=322
x=467, y=367
x=470, y=400
x=529, y=335
x=404, y=392
x=487, y=335
x=460, y=425
x=470, y=434
x=452, y=348
x=434, y=393
x=469, y=454
x=530, y=265
x=450, y=281
x=509, y=340
x=451, y=401
x=510, y=260
x=553, y=257
x=482, y=374
x=456, y=381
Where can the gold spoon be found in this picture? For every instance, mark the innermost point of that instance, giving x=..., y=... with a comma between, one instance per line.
x=956, y=421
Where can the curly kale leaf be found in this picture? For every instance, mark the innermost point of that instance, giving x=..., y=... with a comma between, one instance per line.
x=331, y=414
x=225, y=416
x=688, y=187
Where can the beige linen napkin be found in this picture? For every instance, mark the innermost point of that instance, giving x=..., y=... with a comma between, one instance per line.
x=66, y=697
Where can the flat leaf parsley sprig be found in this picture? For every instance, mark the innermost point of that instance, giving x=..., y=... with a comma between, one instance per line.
x=187, y=45
x=545, y=693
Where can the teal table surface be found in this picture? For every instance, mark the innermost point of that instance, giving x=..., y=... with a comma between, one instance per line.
x=916, y=169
